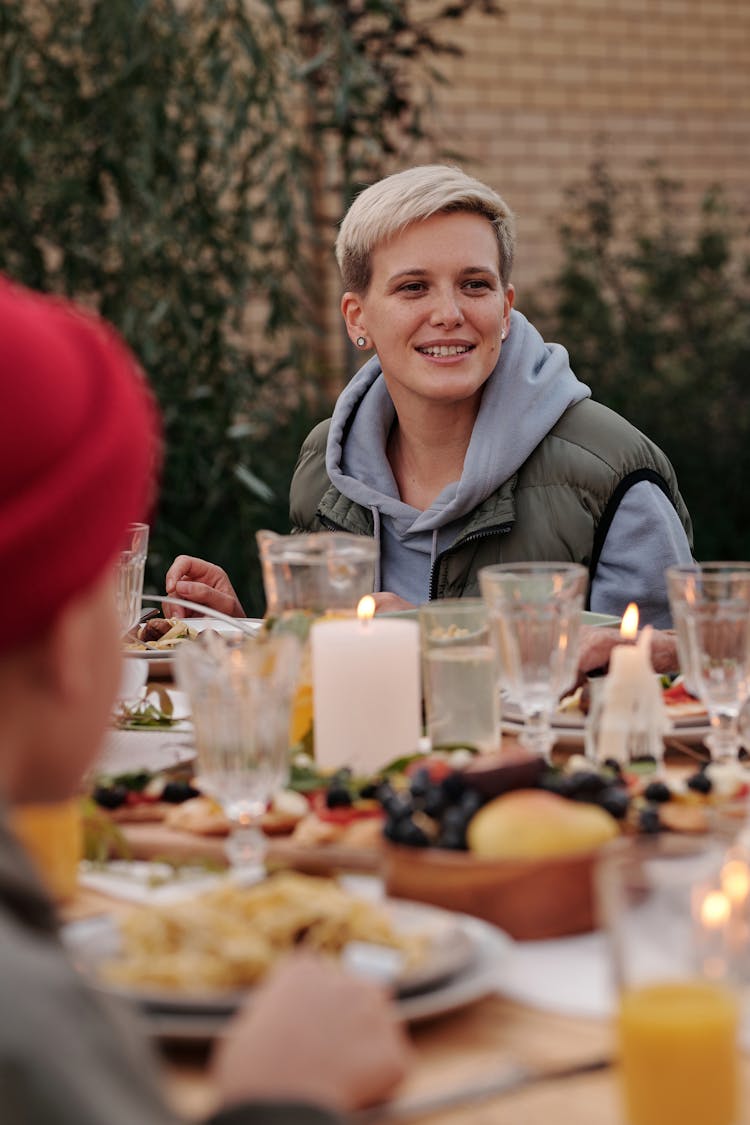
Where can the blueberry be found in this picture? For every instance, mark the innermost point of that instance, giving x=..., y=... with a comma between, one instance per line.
x=614, y=765
x=700, y=782
x=454, y=820
x=420, y=782
x=397, y=805
x=410, y=834
x=110, y=796
x=370, y=791
x=470, y=802
x=587, y=784
x=649, y=821
x=338, y=797
x=657, y=791
x=455, y=841
x=560, y=783
x=175, y=792
x=615, y=800
x=434, y=801
x=453, y=785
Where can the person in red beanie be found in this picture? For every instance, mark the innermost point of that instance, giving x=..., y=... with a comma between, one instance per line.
x=78, y=456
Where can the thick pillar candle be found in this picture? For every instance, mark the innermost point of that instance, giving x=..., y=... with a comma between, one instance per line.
x=366, y=691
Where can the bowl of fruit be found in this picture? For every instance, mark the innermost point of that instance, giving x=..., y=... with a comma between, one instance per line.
x=516, y=842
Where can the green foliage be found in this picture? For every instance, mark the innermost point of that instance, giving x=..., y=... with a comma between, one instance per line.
x=653, y=304
x=163, y=162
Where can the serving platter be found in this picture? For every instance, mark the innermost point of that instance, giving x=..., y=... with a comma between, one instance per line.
x=461, y=966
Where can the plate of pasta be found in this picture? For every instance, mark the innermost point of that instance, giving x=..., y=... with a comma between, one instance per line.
x=203, y=955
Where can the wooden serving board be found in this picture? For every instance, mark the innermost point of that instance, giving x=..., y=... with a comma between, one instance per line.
x=155, y=841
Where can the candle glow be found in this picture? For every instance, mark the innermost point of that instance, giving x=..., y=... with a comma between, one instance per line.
x=629, y=623
x=735, y=881
x=366, y=608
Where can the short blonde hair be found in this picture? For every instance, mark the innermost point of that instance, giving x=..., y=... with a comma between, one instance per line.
x=388, y=206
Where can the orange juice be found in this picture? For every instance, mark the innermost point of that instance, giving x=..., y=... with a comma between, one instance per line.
x=679, y=1054
x=53, y=837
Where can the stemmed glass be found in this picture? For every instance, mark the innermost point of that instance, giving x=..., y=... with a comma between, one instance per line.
x=535, y=615
x=710, y=606
x=240, y=698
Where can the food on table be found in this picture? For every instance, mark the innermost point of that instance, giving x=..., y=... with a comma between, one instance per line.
x=680, y=704
x=230, y=937
x=159, y=633
x=200, y=815
x=439, y=811
x=532, y=823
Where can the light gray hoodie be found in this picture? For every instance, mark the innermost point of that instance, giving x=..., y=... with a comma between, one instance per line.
x=529, y=390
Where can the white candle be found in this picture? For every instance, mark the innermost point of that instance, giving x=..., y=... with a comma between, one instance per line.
x=366, y=692
x=633, y=711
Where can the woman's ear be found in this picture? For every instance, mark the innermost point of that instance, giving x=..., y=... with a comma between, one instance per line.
x=508, y=299
x=353, y=314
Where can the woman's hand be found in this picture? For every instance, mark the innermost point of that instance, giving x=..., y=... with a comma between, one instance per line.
x=313, y=1034
x=597, y=644
x=203, y=583
x=390, y=603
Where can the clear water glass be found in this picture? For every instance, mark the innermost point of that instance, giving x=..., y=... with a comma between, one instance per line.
x=240, y=699
x=535, y=617
x=462, y=698
x=129, y=570
x=710, y=606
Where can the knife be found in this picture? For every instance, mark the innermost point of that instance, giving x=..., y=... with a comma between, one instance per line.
x=512, y=1077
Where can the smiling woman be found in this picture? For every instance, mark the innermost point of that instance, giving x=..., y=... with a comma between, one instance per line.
x=466, y=440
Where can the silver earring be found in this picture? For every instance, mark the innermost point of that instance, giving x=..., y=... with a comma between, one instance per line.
x=361, y=341
x=502, y=334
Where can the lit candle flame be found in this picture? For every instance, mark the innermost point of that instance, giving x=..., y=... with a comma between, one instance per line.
x=715, y=910
x=366, y=608
x=629, y=623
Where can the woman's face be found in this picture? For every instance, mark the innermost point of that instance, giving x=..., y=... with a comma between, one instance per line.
x=435, y=309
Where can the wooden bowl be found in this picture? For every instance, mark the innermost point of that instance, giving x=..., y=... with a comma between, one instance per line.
x=530, y=899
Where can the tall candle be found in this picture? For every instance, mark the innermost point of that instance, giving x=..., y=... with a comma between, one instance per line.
x=366, y=691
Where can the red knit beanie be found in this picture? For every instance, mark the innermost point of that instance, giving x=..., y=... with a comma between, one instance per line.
x=78, y=455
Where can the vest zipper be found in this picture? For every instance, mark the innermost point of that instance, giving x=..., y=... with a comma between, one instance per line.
x=485, y=533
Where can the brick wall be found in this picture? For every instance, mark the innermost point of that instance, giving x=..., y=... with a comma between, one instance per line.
x=540, y=91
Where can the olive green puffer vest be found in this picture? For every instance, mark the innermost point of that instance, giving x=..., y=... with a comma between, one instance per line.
x=557, y=508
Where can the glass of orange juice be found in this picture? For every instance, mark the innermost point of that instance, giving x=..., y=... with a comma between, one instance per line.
x=53, y=837
x=677, y=927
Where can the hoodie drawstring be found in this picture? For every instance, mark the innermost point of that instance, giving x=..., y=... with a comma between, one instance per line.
x=376, y=533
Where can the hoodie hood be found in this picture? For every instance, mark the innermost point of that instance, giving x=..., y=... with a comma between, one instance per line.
x=529, y=390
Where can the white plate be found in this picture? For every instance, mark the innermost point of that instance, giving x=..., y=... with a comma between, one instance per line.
x=462, y=968
x=159, y=660
x=568, y=726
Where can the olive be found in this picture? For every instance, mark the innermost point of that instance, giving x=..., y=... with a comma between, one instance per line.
x=657, y=791
x=370, y=791
x=175, y=792
x=110, y=796
x=614, y=765
x=700, y=782
x=649, y=821
x=337, y=797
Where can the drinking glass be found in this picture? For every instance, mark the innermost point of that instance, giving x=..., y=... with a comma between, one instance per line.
x=462, y=697
x=674, y=914
x=710, y=607
x=240, y=700
x=129, y=570
x=535, y=616
x=306, y=577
